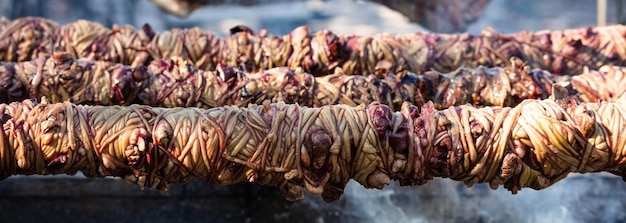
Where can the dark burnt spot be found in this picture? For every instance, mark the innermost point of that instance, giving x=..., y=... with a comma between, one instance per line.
x=427, y=86
x=440, y=153
x=317, y=144
x=380, y=118
x=399, y=140
x=440, y=158
x=576, y=43
x=332, y=193
x=148, y=31
x=140, y=73
x=241, y=28
x=5, y=117
x=320, y=148
x=333, y=44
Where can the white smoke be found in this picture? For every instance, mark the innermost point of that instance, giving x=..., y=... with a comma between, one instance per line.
x=578, y=198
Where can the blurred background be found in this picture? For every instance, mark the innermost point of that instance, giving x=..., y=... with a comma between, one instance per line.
x=341, y=16
x=579, y=198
